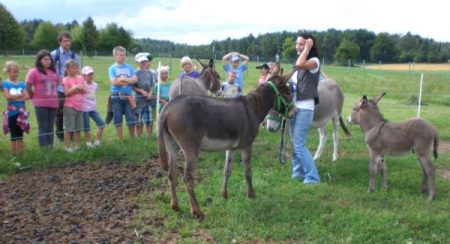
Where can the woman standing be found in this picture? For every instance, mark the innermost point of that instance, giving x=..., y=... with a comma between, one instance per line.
x=42, y=82
x=304, y=82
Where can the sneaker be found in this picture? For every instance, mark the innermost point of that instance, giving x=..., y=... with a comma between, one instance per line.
x=89, y=144
x=69, y=149
x=97, y=143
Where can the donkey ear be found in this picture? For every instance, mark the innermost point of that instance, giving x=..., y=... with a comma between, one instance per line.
x=276, y=69
x=363, y=102
x=202, y=64
x=211, y=63
x=378, y=98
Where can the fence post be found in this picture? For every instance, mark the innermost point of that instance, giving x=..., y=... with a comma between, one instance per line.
x=420, y=96
x=81, y=58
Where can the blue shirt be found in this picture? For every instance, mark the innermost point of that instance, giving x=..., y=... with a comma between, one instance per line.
x=194, y=74
x=59, y=65
x=15, y=89
x=240, y=70
x=117, y=70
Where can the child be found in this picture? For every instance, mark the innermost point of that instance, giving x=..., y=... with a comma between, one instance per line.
x=90, y=108
x=229, y=88
x=264, y=70
x=163, y=86
x=144, y=93
x=122, y=76
x=15, y=117
x=74, y=90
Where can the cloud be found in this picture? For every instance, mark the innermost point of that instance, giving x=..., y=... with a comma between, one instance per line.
x=202, y=21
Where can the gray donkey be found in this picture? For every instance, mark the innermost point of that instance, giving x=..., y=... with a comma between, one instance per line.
x=383, y=137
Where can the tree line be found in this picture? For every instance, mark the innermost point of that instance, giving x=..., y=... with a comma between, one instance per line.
x=334, y=45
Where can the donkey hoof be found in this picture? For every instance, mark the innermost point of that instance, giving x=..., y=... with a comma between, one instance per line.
x=224, y=195
x=431, y=198
x=198, y=215
x=175, y=207
x=251, y=195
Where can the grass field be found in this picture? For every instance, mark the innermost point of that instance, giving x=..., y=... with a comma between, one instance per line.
x=338, y=210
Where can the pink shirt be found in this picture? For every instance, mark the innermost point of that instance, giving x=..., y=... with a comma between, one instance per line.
x=75, y=100
x=89, y=98
x=45, y=92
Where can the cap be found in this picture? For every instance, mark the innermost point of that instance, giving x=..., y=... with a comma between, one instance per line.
x=141, y=57
x=87, y=70
x=263, y=66
x=235, y=57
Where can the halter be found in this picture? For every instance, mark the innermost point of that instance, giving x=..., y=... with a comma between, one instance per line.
x=281, y=118
x=280, y=101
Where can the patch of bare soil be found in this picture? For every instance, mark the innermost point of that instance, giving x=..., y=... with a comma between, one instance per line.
x=444, y=147
x=83, y=203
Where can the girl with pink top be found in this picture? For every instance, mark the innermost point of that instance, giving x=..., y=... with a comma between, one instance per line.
x=74, y=89
x=42, y=82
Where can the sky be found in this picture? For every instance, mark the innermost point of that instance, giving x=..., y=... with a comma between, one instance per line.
x=196, y=22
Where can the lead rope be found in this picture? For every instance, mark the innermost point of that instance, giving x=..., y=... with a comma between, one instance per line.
x=282, y=146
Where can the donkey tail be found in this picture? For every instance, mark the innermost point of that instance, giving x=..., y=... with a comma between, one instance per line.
x=435, y=147
x=344, y=127
x=162, y=144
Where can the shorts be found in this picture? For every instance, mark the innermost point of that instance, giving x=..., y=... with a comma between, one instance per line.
x=73, y=120
x=95, y=116
x=145, y=116
x=14, y=129
x=121, y=107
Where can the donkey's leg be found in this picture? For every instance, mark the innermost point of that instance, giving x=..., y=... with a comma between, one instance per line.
x=372, y=170
x=172, y=149
x=227, y=172
x=246, y=155
x=191, y=156
x=383, y=171
x=335, y=122
x=322, y=142
x=430, y=171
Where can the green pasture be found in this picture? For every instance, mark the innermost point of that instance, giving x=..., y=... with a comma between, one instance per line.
x=338, y=211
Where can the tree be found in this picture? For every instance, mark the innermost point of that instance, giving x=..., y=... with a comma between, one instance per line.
x=383, y=49
x=407, y=45
x=347, y=50
x=114, y=35
x=364, y=39
x=12, y=35
x=289, y=52
x=46, y=36
x=328, y=44
x=90, y=37
x=30, y=27
x=76, y=33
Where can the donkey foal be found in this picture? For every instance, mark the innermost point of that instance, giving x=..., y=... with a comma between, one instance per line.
x=383, y=137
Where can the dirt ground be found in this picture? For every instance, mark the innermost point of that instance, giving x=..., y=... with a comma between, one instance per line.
x=82, y=203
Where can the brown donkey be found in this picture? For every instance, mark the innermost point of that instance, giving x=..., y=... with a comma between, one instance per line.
x=383, y=137
x=202, y=123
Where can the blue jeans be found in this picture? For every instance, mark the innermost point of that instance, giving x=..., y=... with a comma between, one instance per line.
x=46, y=120
x=95, y=116
x=303, y=166
x=121, y=107
x=145, y=116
